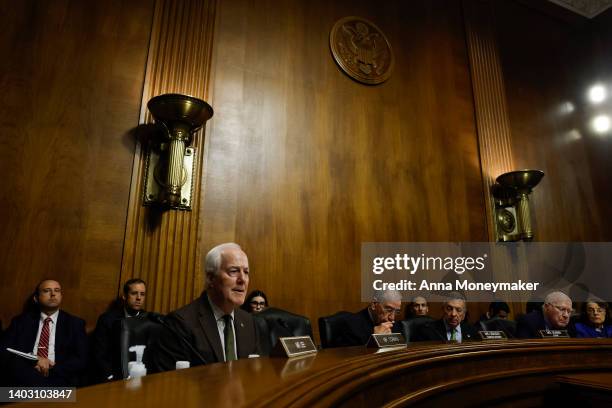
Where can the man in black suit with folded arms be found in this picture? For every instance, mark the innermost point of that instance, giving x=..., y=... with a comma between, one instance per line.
x=57, y=338
x=377, y=318
x=451, y=327
x=212, y=328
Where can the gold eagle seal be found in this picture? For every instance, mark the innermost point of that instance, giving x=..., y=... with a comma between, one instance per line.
x=361, y=50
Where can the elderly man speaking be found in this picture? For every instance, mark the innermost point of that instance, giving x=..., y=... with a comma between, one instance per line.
x=212, y=328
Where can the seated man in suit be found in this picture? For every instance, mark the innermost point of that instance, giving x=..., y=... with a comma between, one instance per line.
x=555, y=315
x=106, y=352
x=497, y=309
x=212, y=328
x=451, y=327
x=377, y=318
x=417, y=307
x=57, y=338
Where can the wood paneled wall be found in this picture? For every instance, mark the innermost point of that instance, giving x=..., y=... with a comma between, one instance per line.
x=300, y=164
x=71, y=76
x=304, y=164
x=161, y=247
x=548, y=66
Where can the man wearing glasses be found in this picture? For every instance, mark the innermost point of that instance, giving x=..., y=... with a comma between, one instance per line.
x=555, y=315
x=377, y=318
x=451, y=327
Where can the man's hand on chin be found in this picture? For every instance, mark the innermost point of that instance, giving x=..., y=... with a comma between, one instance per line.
x=44, y=365
x=383, y=328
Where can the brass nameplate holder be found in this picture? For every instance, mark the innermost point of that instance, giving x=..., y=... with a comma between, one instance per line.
x=386, y=340
x=549, y=334
x=492, y=335
x=294, y=346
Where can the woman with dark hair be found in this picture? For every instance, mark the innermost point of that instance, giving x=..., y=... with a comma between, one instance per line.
x=255, y=302
x=595, y=320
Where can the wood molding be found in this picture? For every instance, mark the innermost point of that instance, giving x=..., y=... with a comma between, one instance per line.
x=492, y=121
x=162, y=248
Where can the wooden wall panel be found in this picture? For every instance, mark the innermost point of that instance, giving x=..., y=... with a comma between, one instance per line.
x=489, y=101
x=162, y=247
x=548, y=67
x=304, y=164
x=71, y=77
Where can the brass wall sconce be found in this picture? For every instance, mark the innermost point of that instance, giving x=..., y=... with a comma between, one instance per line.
x=511, y=194
x=170, y=159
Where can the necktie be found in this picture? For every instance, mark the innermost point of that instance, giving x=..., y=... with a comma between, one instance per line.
x=43, y=342
x=228, y=333
x=453, y=334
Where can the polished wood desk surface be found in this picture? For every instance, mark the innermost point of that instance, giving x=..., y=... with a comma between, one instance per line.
x=600, y=381
x=353, y=376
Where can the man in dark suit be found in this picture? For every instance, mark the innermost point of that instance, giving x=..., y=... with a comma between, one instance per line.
x=57, y=338
x=555, y=315
x=377, y=318
x=212, y=328
x=106, y=353
x=451, y=327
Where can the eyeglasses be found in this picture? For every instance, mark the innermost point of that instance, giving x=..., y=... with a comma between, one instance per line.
x=595, y=311
x=563, y=310
x=256, y=303
x=389, y=310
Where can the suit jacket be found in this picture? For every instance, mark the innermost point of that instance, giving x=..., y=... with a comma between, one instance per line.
x=196, y=323
x=586, y=331
x=436, y=331
x=106, y=350
x=528, y=326
x=70, y=351
x=356, y=329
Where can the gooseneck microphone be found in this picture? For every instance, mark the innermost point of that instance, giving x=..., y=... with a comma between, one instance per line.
x=161, y=319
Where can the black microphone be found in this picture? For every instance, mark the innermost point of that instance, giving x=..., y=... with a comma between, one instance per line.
x=283, y=323
x=161, y=319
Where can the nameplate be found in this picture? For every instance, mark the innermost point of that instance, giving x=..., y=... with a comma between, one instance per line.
x=492, y=335
x=547, y=334
x=294, y=346
x=386, y=340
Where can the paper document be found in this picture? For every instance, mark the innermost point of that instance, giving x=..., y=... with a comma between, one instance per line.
x=22, y=354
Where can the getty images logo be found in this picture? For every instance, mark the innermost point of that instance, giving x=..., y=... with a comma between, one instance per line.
x=413, y=264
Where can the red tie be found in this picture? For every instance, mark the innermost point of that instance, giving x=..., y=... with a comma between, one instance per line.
x=43, y=342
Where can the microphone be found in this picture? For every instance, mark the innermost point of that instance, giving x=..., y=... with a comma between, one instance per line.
x=283, y=323
x=161, y=319
x=156, y=317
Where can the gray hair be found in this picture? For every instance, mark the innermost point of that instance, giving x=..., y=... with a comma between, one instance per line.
x=213, y=258
x=556, y=296
x=380, y=296
x=456, y=296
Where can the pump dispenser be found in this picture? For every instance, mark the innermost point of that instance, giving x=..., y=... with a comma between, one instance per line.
x=137, y=368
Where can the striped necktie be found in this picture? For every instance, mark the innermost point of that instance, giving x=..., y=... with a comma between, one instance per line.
x=43, y=342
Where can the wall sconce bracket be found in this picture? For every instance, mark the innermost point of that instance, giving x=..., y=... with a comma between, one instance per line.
x=170, y=156
x=511, y=197
x=154, y=177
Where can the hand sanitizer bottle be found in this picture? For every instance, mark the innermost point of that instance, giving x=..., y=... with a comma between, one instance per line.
x=137, y=369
